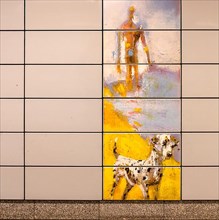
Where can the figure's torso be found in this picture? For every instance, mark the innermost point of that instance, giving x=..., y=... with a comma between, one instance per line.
x=132, y=35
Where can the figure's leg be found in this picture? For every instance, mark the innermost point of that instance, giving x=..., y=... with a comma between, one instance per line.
x=136, y=72
x=136, y=76
x=129, y=77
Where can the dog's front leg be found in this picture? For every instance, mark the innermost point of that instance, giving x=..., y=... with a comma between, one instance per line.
x=156, y=191
x=144, y=189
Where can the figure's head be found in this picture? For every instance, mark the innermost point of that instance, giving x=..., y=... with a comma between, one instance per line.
x=164, y=144
x=131, y=12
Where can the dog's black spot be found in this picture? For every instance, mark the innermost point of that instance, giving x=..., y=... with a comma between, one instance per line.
x=139, y=171
x=149, y=169
x=139, y=160
x=127, y=170
x=114, y=184
x=144, y=177
x=175, y=145
x=161, y=174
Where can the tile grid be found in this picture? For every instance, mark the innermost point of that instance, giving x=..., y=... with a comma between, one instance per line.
x=106, y=98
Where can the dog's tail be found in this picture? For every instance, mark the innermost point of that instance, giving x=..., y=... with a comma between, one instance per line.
x=115, y=148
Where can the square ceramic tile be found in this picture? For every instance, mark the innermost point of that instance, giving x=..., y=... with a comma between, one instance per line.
x=200, y=14
x=200, y=47
x=64, y=149
x=200, y=115
x=153, y=81
x=141, y=115
x=119, y=187
x=163, y=47
x=11, y=183
x=200, y=80
x=11, y=47
x=200, y=149
x=195, y=183
x=11, y=81
x=78, y=115
x=141, y=149
x=71, y=81
x=69, y=183
x=65, y=14
x=11, y=114
x=149, y=14
x=12, y=14
x=12, y=149
x=64, y=47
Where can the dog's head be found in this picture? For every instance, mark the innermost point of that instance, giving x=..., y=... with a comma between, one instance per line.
x=164, y=144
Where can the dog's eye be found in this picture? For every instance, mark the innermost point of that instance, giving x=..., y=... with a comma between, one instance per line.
x=164, y=143
x=175, y=145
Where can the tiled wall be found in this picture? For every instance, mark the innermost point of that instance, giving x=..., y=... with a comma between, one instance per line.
x=51, y=75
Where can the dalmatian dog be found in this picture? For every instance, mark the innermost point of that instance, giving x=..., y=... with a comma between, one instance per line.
x=144, y=172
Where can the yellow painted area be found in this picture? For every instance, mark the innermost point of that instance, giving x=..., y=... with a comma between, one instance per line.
x=121, y=89
x=137, y=124
x=133, y=146
x=114, y=120
x=107, y=92
x=138, y=110
x=169, y=187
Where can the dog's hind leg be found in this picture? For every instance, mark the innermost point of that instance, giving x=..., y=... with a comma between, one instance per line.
x=127, y=189
x=113, y=188
x=115, y=181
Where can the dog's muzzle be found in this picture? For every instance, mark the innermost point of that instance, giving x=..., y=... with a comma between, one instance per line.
x=169, y=154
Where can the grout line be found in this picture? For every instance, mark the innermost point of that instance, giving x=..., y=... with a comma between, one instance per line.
x=181, y=90
x=24, y=136
x=102, y=97
x=109, y=98
x=112, y=30
x=109, y=132
x=100, y=64
x=105, y=166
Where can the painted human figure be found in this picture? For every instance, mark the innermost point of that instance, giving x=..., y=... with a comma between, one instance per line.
x=131, y=35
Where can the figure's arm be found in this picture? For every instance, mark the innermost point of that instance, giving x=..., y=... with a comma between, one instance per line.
x=145, y=46
x=118, y=51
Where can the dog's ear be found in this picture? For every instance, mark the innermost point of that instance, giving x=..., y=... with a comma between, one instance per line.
x=173, y=139
x=154, y=140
